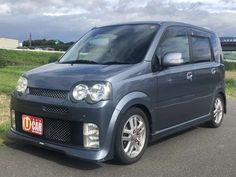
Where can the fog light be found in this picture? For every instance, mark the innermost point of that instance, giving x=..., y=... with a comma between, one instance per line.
x=13, y=119
x=91, y=135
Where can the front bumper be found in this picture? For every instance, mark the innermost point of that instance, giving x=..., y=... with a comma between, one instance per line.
x=81, y=153
x=75, y=114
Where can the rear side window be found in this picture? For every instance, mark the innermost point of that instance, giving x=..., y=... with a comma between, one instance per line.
x=201, y=49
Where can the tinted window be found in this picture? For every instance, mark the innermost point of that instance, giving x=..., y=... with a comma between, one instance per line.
x=201, y=49
x=113, y=44
x=175, y=40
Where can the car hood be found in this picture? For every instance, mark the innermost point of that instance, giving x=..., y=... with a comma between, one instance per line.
x=64, y=76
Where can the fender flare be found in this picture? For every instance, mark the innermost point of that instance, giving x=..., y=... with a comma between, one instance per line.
x=123, y=105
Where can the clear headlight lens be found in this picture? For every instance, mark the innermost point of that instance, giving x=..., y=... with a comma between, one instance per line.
x=22, y=85
x=80, y=92
x=95, y=93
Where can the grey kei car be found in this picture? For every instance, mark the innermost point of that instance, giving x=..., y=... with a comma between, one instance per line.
x=120, y=87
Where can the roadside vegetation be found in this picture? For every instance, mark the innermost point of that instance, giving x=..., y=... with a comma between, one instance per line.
x=14, y=63
x=4, y=127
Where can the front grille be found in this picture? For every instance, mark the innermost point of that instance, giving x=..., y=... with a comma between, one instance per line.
x=48, y=93
x=55, y=109
x=56, y=130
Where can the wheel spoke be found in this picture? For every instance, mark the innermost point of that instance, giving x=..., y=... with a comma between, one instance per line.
x=140, y=125
x=135, y=122
x=127, y=147
x=131, y=123
x=137, y=147
x=131, y=150
x=141, y=128
x=129, y=132
x=126, y=138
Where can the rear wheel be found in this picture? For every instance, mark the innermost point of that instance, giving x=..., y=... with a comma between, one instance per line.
x=132, y=137
x=217, y=112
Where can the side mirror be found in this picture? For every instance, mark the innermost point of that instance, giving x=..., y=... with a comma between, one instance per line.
x=172, y=59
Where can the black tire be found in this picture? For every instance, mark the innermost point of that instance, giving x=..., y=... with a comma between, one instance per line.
x=213, y=123
x=120, y=154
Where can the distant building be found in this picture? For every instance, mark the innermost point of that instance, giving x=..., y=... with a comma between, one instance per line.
x=8, y=43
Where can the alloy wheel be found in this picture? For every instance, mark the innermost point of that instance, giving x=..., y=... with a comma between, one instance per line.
x=134, y=136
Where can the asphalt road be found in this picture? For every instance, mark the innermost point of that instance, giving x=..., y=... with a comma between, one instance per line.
x=198, y=152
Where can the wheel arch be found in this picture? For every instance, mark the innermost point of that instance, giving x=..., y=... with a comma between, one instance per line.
x=134, y=99
x=147, y=113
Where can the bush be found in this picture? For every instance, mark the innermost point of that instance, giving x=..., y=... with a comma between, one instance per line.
x=3, y=63
x=230, y=66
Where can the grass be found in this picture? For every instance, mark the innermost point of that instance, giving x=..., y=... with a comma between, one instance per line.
x=14, y=63
x=10, y=75
x=4, y=108
x=26, y=58
x=230, y=87
x=230, y=83
x=4, y=128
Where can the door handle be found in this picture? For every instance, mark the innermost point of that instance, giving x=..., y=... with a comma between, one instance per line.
x=189, y=76
x=213, y=70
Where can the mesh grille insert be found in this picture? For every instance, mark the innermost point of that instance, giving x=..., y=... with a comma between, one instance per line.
x=56, y=109
x=48, y=93
x=57, y=130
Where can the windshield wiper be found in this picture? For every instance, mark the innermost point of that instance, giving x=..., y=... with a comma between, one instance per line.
x=80, y=62
x=115, y=62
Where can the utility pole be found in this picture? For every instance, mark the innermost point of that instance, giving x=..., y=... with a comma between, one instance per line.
x=30, y=40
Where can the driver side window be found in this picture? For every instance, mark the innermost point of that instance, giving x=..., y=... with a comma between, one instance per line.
x=175, y=40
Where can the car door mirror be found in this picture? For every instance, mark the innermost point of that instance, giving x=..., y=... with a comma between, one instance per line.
x=172, y=59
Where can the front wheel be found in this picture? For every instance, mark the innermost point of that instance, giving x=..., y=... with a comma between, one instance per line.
x=217, y=112
x=132, y=136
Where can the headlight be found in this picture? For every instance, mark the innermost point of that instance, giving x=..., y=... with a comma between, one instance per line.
x=80, y=92
x=22, y=85
x=92, y=93
x=98, y=92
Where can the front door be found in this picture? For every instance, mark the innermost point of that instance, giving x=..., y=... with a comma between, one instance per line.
x=174, y=98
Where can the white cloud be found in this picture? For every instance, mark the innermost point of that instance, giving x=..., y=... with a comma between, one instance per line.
x=4, y=9
x=64, y=11
x=68, y=19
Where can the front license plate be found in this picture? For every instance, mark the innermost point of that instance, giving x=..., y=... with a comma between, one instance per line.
x=32, y=124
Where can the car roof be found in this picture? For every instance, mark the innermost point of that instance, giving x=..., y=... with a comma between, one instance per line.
x=166, y=23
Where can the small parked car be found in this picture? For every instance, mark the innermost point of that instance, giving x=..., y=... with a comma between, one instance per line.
x=119, y=88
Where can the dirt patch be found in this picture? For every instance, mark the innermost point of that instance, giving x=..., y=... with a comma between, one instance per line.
x=230, y=74
x=4, y=108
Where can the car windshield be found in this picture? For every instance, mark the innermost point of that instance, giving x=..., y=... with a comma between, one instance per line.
x=121, y=44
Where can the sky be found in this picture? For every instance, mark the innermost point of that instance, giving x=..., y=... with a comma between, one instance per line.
x=67, y=20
